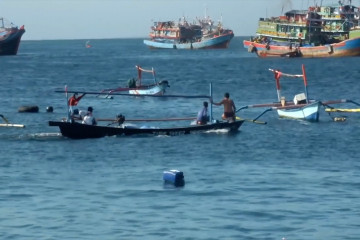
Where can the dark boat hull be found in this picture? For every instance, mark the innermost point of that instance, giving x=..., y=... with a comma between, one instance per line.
x=10, y=44
x=81, y=131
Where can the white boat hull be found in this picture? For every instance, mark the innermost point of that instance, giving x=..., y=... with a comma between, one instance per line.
x=156, y=90
x=309, y=112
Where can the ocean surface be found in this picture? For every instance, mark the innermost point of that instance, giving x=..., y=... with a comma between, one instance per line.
x=284, y=179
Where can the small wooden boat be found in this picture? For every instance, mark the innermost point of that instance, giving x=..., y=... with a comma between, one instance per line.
x=71, y=128
x=137, y=86
x=77, y=130
x=301, y=108
x=308, y=112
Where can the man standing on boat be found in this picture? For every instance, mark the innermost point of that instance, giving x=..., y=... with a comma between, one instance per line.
x=73, y=101
x=229, y=108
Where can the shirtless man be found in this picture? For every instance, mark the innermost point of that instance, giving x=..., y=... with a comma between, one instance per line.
x=229, y=108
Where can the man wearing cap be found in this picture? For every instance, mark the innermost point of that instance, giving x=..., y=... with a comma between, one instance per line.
x=89, y=118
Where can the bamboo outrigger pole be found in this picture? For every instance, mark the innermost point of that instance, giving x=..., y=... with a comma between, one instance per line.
x=135, y=95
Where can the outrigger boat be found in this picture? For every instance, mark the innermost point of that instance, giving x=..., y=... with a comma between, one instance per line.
x=137, y=86
x=301, y=107
x=72, y=129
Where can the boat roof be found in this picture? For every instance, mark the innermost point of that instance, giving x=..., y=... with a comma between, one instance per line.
x=297, y=12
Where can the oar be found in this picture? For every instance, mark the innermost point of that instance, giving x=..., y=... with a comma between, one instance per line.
x=4, y=118
x=8, y=124
x=275, y=104
x=255, y=119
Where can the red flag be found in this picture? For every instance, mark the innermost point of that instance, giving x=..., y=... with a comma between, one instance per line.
x=277, y=75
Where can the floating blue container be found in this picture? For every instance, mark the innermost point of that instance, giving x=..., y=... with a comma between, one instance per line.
x=174, y=177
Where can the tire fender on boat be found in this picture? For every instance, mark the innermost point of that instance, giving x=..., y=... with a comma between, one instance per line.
x=268, y=46
x=252, y=48
x=31, y=109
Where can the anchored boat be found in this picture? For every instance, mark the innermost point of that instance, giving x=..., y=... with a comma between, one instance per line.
x=203, y=34
x=137, y=86
x=10, y=36
x=301, y=107
x=320, y=31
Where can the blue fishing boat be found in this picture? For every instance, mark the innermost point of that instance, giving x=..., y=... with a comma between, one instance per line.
x=184, y=35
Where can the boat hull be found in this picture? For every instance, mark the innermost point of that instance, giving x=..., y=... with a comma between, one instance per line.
x=76, y=130
x=155, y=90
x=309, y=112
x=350, y=47
x=221, y=41
x=10, y=41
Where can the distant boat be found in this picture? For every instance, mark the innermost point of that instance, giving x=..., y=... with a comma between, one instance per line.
x=87, y=44
x=10, y=36
x=137, y=86
x=184, y=35
x=319, y=31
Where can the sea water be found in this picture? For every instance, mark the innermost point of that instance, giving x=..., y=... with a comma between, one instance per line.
x=284, y=179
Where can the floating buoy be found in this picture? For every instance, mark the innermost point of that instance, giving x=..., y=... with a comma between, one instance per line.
x=174, y=177
x=31, y=109
x=339, y=119
x=49, y=109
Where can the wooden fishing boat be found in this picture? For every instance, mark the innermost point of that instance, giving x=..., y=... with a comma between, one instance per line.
x=320, y=31
x=309, y=112
x=72, y=128
x=10, y=36
x=185, y=35
x=77, y=130
x=137, y=86
x=301, y=107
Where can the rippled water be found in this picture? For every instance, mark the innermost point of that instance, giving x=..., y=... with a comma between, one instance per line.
x=286, y=179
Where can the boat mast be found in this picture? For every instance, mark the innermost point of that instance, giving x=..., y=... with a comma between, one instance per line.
x=305, y=83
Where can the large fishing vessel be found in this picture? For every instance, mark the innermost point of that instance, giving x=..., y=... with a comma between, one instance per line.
x=202, y=34
x=10, y=36
x=319, y=31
